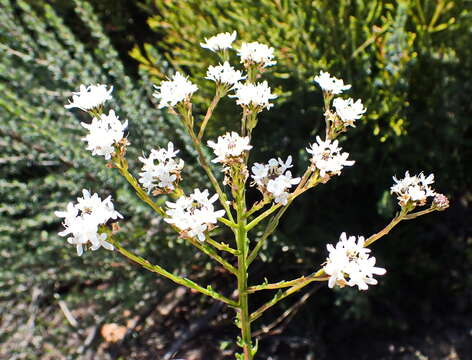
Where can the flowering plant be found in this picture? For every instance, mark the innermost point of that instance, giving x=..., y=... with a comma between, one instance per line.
x=193, y=216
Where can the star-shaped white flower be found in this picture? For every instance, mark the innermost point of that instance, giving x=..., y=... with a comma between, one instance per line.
x=173, y=91
x=331, y=84
x=90, y=97
x=257, y=53
x=348, y=110
x=220, y=41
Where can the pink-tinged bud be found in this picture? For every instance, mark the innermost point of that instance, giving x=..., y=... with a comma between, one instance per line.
x=441, y=202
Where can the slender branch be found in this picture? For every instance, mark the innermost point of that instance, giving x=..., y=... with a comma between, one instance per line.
x=122, y=166
x=211, y=253
x=209, y=112
x=279, y=296
x=287, y=314
x=316, y=276
x=257, y=206
x=386, y=229
x=222, y=246
x=262, y=216
x=297, y=284
x=273, y=223
x=175, y=278
x=228, y=223
x=419, y=213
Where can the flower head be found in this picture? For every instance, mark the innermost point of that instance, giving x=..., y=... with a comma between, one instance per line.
x=224, y=74
x=104, y=134
x=229, y=146
x=257, y=53
x=82, y=221
x=327, y=157
x=161, y=170
x=257, y=95
x=90, y=97
x=274, y=179
x=348, y=110
x=413, y=188
x=220, y=41
x=349, y=264
x=194, y=214
x=173, y=91
x=331, y=84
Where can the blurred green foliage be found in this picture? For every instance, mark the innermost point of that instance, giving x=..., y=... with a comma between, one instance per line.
x=44, y=165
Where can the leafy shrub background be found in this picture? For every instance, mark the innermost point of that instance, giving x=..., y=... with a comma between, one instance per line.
x=409, y=61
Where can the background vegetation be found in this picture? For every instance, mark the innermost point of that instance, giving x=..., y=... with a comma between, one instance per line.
x=409, y=61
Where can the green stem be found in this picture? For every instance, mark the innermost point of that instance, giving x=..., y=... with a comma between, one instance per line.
x=386, y=229
x=242, y=243
x=202, y=160
x=209, y=112
x=316, y=276
x=175, y=278
x=211, y=253
x=262, y=216
x=122, y=166
x=282, y=295
x=221, y=246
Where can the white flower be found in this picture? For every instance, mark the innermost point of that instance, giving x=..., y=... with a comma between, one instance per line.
x=104, y=134
x=162, y=174
x=90, y=97
x=348, y=110
x=331, y=84
x=275, y=179
x=173, y=91
x=349, y=264
x=194, y=214
x=220, y=41
x=257, y=95
x=413, y=188
x=258, y=53
x=224, y=74
x=229, y=146
x=82, y=221
x=327, y=157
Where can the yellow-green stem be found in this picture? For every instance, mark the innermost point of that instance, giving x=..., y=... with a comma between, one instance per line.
x=242, y=243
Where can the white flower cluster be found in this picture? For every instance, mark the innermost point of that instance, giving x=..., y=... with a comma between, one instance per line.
x=349, y=264
x=224, y=74
x=331, y=84
x=257, y=95
x=327, y=157
x=173, y=91
x=229, y=146
x=90, y=97
x=413, y=188
x=82, y=220
x=193, y=214
x=275, y=178
x=104, y=134
x=220, y=41
x=348, y=110
x=257, y=53
x=164, y=173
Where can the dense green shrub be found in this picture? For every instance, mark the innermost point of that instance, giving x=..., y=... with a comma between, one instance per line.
x=44, y=165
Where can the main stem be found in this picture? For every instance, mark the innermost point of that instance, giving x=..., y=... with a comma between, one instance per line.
x=242, y=243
